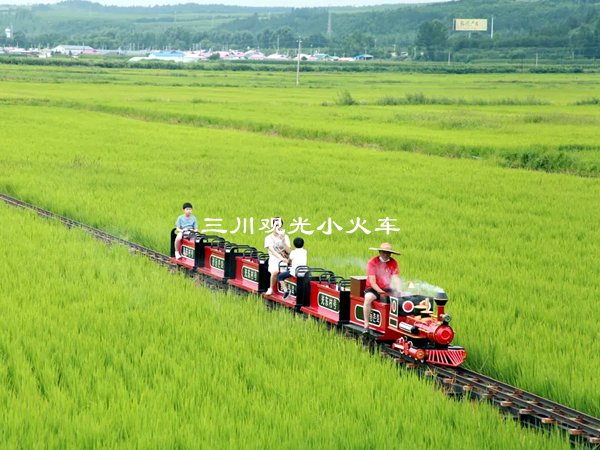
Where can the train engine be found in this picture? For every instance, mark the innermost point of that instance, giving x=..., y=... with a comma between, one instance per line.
x=426, y=334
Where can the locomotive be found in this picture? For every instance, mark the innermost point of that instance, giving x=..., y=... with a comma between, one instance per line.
x=405, y=321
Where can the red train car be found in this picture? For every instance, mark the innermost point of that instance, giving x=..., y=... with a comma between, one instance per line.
x=326, y=297
x=239, y=265
x=190, y=257
x=250, y=269
x=295, y=298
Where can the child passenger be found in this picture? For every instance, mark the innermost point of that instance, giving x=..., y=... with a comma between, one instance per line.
x=185, y=222
x=298, y=257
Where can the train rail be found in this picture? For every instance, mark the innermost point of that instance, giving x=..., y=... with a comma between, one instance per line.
x=97, y=233
x=528, y=408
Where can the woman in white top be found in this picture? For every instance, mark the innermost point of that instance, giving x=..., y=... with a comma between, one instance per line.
x=278, y=245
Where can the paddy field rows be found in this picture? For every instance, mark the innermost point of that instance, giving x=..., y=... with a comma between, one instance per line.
x=544, y=122
x=516, y=250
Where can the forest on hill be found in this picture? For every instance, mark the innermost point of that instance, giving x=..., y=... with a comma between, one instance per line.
x=554, y=29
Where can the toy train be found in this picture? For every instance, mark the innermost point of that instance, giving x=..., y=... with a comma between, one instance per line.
x=407, y=321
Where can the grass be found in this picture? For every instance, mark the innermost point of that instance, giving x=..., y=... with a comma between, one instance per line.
x=102, y=349
x=516, y=250
x=493, y=116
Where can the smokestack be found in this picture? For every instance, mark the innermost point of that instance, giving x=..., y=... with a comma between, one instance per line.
x=440, y=300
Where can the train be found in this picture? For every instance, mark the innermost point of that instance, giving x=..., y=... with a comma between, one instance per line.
x=413, y=325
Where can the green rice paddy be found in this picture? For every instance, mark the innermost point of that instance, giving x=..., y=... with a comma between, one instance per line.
x=516, y=250
x=102, y=349
x=539, y=121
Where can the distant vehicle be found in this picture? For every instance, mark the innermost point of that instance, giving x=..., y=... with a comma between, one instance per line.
x=277, y=57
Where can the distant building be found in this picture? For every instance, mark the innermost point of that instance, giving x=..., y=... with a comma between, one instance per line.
x=73, y=50
x=174, y=56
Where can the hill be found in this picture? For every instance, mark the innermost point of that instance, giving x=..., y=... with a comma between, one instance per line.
x=556, y=29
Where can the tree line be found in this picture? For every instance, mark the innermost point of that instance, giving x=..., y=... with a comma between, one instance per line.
x=556, y=27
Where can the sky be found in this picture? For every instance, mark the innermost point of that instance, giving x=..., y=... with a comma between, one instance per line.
x=286, y=3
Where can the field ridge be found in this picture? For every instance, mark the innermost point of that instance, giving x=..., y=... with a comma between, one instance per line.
x=551, y=160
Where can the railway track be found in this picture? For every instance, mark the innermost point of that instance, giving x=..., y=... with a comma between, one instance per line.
x=102, y=235
x=530, y=409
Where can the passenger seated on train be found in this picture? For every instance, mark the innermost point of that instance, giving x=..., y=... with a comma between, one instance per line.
x=185, y=222
x=278, y=245
x=383, y=277
x=298, y=257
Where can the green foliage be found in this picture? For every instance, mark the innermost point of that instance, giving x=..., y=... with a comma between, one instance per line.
x=548, y=162
x=345, y=98
x=589, y=101
x=420, y=99
x=432, y=37
x=103, y=349
x=515, y=249
x=458, y=116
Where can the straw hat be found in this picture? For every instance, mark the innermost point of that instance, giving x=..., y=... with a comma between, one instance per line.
x=385, y=247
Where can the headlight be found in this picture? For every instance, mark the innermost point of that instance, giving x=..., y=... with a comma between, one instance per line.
x=443, y=335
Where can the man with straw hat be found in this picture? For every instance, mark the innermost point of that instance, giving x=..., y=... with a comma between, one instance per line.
x=382, y=278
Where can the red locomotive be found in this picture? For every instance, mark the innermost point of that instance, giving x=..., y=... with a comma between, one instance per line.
x=406, y=321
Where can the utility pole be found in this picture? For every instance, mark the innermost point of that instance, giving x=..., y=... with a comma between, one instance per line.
x=492, y=29
x=298, y=65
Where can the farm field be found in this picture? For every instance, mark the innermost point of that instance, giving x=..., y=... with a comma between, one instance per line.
x=517, y=251
x=103, y=349
x=540, y=121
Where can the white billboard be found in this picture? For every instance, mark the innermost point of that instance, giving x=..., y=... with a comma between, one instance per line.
x=470, y=25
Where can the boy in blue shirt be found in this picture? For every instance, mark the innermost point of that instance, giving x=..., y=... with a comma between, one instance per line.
x=185, y=222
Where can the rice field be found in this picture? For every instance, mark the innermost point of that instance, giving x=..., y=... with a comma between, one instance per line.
x=102, y=349
x=546, y=122
x=516, y=250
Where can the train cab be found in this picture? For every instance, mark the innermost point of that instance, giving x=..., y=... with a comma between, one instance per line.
x=379, y=317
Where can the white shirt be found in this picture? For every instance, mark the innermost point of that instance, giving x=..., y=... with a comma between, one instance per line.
x=299, y=257
x=277, y=244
